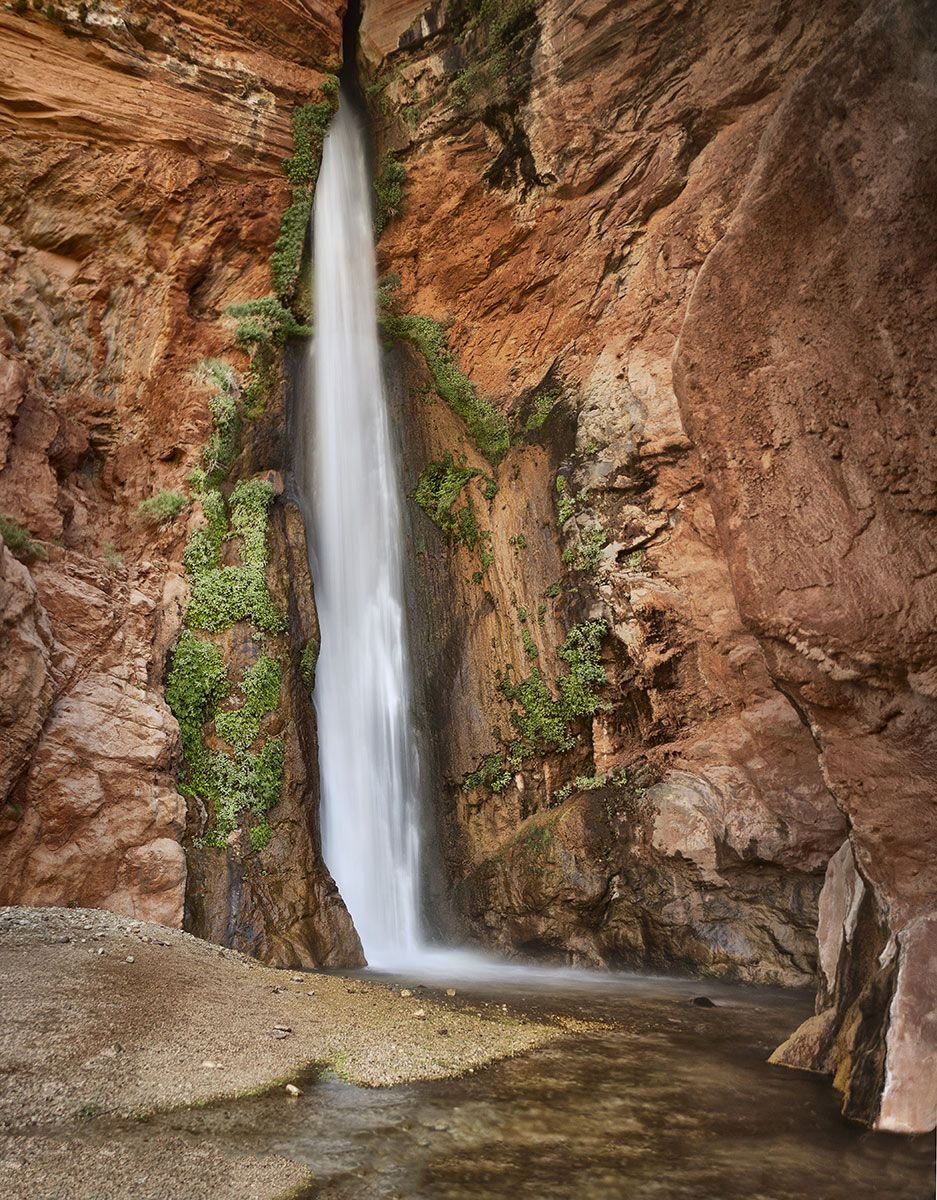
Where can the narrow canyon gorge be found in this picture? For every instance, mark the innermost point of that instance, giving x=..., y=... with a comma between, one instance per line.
x=657, y=289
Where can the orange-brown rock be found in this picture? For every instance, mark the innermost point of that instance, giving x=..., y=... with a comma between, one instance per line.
x=815, y=416
x=558, y=217
x=566, y=201
x=140, y=194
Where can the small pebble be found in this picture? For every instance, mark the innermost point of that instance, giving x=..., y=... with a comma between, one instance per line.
x=450, y=991
x=296, y=979
x=420, y=1013
x=406, y=993
x=129, y=958
x=209, y=1065
x=443, y=1032
x=293, y=1090
x=702, y=1002
x=279, y=1033
x=284, y=1028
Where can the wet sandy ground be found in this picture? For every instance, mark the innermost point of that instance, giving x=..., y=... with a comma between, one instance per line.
x=103, y=1017
x=654, y=1098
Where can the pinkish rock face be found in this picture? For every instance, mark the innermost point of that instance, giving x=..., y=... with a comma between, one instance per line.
x=815, y=418
x=909, y=1098
x=107, y=306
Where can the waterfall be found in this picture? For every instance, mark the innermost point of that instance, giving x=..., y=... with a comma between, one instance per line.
x=368, y=761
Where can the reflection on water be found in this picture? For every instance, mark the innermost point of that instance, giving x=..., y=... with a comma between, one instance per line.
x=670, y=1101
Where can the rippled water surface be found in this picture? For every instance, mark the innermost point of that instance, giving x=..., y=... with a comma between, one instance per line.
x=669, y=1100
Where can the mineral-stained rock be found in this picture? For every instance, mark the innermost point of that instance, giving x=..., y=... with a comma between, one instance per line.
x=94, y=817
x=26, y=683
x=141, y=186
x=815, y=415
x=767, y=598
x=558, y=214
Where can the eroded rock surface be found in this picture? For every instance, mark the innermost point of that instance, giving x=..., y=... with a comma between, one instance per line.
x=557, y=214
x=142, y=186
x=815, y=417
x=577, y=182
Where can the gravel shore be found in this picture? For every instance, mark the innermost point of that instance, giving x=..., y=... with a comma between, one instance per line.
x=104, y=1015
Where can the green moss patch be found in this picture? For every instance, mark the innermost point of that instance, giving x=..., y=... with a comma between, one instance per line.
x=223, y=595
x=227, y=783
x=162, y=508
x=307, y=663
x=486, y=425
x=388, y=192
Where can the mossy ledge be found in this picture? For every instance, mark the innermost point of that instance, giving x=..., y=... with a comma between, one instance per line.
x=544, y=723
x=310, y=125
x=487, y=426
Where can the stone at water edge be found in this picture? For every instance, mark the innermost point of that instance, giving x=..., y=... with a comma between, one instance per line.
x=702, y=1002
x=292, y=1090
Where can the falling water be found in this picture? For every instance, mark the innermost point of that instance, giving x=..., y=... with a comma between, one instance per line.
x=367, y=750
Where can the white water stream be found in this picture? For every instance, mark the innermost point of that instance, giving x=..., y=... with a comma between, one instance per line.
x=368, y=760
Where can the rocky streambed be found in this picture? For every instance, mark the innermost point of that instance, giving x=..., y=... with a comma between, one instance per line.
x=108, y=1018
x=166, y=1077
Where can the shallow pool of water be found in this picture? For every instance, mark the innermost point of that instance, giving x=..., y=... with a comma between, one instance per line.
x=668, y=1100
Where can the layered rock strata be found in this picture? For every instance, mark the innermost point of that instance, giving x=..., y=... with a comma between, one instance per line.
x=142, y=190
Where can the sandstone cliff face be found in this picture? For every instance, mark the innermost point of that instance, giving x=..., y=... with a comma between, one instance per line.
x=141, y=193
x=580, y=177
x=816, y=421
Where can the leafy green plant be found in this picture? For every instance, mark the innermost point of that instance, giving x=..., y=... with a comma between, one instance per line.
x=265, y=321
x=585, y=555
x=438, y=491
x=544, y=722
x=617, y=777
x=543, y=404
x=492, y=774
x=310, y=125
x=260, y=836
x=224, y=441
x=308, y=661
x=565, y=504
x=497, y=25
x=19, y=541
x=487, y=426
x=223, y=595
x=162, y=508
x=388, y=192
x=263, y=328
x=226, y=783
x=260, y=687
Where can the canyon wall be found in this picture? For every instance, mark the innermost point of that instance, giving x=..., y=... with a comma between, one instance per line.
x=657, y=309
x=596, y=194
x=140, y=194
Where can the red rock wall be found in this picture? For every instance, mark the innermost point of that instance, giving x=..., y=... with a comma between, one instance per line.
x=623, y=166
x=140, y=193
x=816, y=419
